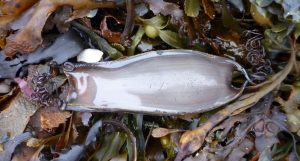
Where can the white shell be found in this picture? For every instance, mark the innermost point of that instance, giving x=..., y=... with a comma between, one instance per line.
x=90, y=56
x=92, y=13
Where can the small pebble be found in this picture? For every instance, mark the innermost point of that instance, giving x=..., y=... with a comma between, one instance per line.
x=90, y=56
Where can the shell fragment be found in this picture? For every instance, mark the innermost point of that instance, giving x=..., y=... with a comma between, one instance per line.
x=90, y=56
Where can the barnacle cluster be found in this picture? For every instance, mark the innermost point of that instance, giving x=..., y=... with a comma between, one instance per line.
x=256, y=55
x=40, y=93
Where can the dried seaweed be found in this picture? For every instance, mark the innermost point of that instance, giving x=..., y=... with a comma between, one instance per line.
x=20, y=108
x=64, y=47
x=129, y=24
x=27, y=39
x=9, y=146
x=10, y=10
x=166, y=8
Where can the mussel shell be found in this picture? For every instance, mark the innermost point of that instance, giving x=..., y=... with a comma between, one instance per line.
x=163, y=82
